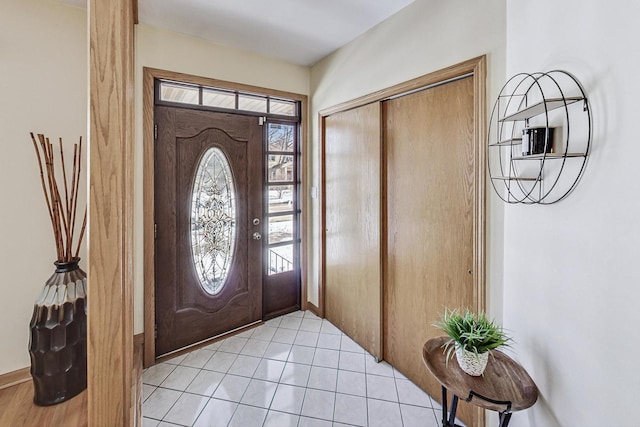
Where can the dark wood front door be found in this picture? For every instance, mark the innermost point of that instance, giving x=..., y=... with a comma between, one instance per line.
x=208, y=191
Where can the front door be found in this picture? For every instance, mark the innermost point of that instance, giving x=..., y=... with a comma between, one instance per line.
x=208, y=211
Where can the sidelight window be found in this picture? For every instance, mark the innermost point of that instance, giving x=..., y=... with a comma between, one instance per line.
x=282, y=190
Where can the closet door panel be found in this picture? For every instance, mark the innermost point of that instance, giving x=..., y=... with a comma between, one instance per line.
x=352, y=197
x=429, y=140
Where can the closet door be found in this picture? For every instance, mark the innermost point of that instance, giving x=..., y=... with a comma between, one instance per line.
x=352, y=254
x=429, y=140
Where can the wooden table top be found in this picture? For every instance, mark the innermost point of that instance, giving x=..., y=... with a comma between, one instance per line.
x=503, y=379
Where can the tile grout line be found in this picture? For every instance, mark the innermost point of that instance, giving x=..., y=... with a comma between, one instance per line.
x=162, y=418
x=252, y=377
x=366, y=388
x=185, y=392
x=307, y=383
x=395, y=382
x=227, y=373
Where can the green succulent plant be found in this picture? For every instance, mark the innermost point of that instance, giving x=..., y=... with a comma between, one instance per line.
x=470, y=331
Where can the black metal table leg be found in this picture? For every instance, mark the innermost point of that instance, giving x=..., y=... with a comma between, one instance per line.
x=454, y=409
x=445, y=420
x=504, y=418
x=445, y=415
x=450, y=419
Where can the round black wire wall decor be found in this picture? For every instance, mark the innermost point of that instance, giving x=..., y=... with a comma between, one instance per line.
x=539, y=137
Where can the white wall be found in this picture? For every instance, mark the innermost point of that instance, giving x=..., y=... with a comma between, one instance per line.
x=43, y=80
x=571, y=283
x=426, y=36
x=166, y=50
x=43, y=51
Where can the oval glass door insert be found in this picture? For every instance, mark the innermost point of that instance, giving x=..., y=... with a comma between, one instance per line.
x=213, y=220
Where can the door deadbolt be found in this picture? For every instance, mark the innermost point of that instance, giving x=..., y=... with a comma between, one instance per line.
x=257, y=236
x=256, y=221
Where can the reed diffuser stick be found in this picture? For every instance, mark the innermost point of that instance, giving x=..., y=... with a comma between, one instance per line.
x=62, y=210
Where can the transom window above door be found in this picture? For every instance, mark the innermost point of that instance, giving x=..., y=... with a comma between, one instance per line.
x=212, y=97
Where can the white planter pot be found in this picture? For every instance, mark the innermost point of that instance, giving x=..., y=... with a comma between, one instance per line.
x=470, y=363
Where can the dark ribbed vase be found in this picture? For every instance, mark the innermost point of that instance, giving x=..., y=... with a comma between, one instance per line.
x=58, y=341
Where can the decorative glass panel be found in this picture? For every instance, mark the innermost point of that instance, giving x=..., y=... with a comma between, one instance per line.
x=281, y=137
x=219, y=98
x=280, y=228
x=285, y=108
x=179, y=93
x=252, y=103
x=280, y=259
x=213, y=220
x=280, y=168
x=280, y=198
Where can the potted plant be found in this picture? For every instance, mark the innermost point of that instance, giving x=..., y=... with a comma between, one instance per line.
x=471, y=336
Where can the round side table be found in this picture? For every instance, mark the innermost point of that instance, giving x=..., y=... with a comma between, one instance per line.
x=504, y=387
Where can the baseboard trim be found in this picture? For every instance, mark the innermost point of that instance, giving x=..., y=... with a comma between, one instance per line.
x=15, y=377
x=312, y=308
x=138, y=350
x=23, y=375
x=138, y=339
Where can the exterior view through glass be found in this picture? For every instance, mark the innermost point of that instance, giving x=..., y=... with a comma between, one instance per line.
x=281, y=159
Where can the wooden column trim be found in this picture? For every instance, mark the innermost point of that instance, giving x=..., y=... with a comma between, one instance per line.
x=323, y=222
x=148, y=225
x=134, y=8
x=305, y=188
x=479, y=213
x=110, y=299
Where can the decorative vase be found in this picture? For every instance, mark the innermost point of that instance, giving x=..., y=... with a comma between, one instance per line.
x=470, y=363
x=58, y=340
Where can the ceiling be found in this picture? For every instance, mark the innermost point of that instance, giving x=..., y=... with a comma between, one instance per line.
x=297, y=31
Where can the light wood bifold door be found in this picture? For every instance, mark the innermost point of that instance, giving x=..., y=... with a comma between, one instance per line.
x=430, y=222
x=352, y=225
x=403, y=176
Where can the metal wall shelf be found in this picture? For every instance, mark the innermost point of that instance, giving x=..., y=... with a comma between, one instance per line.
x=510, y=141
x=515, y=178
x=548, y=156
x=511, y=113
x=540, y=108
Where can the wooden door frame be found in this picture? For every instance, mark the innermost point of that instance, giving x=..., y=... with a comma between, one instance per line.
x=148, y=102
x=476, y=69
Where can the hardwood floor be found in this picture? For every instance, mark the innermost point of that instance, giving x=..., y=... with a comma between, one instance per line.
x=18, y=409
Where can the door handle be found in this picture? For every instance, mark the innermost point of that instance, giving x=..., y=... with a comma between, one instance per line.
x=256, y=236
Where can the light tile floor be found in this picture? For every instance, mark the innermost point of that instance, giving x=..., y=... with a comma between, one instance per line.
x=295, y=370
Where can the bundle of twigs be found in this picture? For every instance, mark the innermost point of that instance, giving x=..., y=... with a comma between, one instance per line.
x=62, y=212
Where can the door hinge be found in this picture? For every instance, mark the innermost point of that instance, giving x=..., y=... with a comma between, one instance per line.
x=261, y=120
x=155, y=331
x=155, y=132
x=155, y=230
